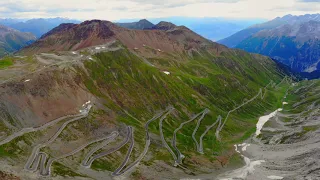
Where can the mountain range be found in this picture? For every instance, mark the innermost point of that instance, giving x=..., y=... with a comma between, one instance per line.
x=291, y=40
x=210, y=28
x=38, y=26
x=238, y=37
x=12, y=40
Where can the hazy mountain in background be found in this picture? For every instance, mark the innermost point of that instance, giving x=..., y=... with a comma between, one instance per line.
x=9, y=21
x=12, y=40
x=38, y=27
x=291, y=40
x=236, y=38
x=210, y=28
x=297, y=45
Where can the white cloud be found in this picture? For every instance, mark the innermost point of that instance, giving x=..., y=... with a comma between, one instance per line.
x=124, y=9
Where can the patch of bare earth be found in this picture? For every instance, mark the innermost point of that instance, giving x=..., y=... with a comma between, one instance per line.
x=6, y=176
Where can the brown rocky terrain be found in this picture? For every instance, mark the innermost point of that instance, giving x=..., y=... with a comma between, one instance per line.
x=5, y=176
x=164, y=36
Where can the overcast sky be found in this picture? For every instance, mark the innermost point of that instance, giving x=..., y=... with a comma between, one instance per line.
x=127, y=9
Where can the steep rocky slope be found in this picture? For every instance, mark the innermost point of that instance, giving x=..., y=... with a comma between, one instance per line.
x=12, y=40
x=81, y=83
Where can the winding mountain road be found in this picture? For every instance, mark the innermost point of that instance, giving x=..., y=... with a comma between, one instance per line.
x=39, y=159
x=118, y=172
x=284, y=79
x=262, y=95
x=36, y=155
x=174, y=141
x=163, y=139
x=219, y=119
x=46, y=171
x=245, y=103
x=88, y=161
x=147, y=144
x=205, y=132
x=95, y=149
x=34, y=129
x=206, y=111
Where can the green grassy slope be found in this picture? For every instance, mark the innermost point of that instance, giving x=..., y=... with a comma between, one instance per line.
x=219, y=83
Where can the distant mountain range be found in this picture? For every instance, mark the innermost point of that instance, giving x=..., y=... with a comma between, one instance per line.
x=12, y=40
x=291, y=40
x=210, y=28
x=38, y=27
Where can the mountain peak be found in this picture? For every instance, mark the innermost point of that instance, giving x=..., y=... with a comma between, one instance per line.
x=69, y=36
x=95, y=21
x=141, y=24
x=288, y=16
x=163, y=25
x=144, y=21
